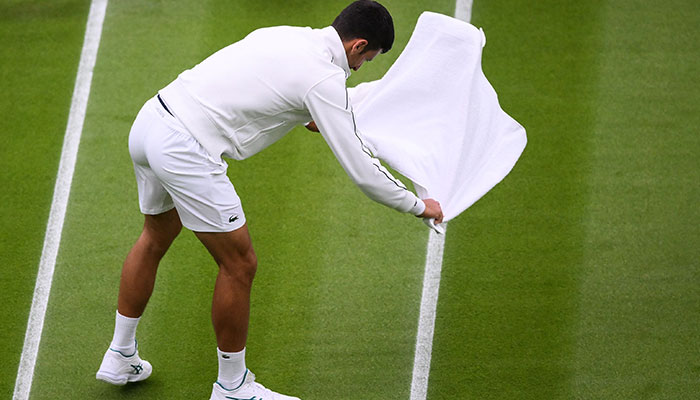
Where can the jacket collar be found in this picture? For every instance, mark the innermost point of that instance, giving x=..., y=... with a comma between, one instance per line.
x=336, y=49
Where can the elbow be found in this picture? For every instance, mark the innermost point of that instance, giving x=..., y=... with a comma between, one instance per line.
x=370, y=190
x=365, y=186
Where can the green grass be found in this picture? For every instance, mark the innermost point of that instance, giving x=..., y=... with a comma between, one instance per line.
x=638, y=322
x=574, y=278
x=577, y=278
x=40, y=50
x=508, y=298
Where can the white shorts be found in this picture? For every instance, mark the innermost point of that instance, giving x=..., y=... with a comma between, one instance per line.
x=173, y=170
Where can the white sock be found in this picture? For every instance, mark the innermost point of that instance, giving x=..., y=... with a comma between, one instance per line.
x=124, y=339
x=231, y=368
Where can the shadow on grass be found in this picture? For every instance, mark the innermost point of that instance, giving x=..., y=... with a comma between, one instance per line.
x=135, y=390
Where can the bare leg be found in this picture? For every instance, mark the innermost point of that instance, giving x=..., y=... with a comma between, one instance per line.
x=230, y=311
x=141, y=265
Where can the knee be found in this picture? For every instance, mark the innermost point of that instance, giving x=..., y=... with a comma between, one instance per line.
x=242, y=268
x=250, y=265
x=159, y=231
x=157, y=243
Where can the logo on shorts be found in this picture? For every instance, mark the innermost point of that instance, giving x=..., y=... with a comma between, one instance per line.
x=232, y=218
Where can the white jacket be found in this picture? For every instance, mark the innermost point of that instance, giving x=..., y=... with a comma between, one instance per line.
x=251, y=93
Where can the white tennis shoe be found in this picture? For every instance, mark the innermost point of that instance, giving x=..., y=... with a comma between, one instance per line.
x=118, y=369
x=247, y=390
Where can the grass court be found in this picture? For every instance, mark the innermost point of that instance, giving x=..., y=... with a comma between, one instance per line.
x=575, y=278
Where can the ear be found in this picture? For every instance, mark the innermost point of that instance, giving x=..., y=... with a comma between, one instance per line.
x=359, y=45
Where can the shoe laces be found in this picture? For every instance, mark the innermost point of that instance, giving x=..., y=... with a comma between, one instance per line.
x=263, y=391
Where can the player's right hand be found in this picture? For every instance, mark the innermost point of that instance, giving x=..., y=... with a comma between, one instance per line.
x=432, y=210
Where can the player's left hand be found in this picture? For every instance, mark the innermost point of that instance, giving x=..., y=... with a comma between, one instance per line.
x=312, y=126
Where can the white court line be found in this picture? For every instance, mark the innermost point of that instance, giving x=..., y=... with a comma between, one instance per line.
x=463, y=10
x=431, y=283
x=59, y=204
x=426, y=320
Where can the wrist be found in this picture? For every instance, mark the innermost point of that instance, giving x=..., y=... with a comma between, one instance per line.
x=418, y=208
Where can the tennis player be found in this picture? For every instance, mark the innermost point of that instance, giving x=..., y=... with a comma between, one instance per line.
x=234, y=104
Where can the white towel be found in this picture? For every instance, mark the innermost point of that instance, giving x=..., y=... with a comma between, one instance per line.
x=435, y=118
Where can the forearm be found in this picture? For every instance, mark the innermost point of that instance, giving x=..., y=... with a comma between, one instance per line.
x=332, y=114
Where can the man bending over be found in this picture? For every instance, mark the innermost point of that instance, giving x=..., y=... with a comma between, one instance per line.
x=234, y=104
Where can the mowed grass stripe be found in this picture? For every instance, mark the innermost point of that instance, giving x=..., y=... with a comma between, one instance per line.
x=40, y=52
x=103, y=219
x=59, y=204
x=336, y=298
x=639, y=315
x=508, y=299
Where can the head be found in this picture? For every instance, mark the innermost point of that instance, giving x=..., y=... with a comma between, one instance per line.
x=366, y=29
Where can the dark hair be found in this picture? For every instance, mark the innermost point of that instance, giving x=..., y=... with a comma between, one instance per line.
x=369, y=20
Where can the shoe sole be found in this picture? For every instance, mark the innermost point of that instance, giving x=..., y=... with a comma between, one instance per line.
x=113, y=379
x=119, y=380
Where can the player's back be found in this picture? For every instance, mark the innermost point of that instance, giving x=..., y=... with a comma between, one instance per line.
x=253, y=90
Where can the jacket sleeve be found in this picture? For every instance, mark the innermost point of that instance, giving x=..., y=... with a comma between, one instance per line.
x=330, y=108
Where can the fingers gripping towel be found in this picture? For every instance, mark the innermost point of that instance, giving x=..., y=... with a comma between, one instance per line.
x=435, y=118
